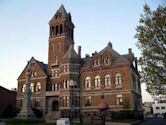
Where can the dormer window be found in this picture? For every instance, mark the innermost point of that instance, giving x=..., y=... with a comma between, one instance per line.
x=96, y=62
x=106, y=61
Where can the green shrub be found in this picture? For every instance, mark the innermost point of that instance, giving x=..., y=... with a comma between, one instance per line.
x=10, y=112
x=37, y=112
x=127, y=115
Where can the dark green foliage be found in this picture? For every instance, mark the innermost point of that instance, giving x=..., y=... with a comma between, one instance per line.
x=151, y=40
x=127, y=115
x=10, y=112
x=37, y=112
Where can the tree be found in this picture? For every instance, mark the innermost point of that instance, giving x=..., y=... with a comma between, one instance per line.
x=151, y=40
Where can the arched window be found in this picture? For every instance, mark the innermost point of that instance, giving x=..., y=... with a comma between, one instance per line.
x=61, y=29
x=107, y=80
x=38, y=87
x=32, y=87
x=97, y=81
x=96, y=62
x=87, y=82
x=118, y=79
x=52, y=31
x=56, y=30
x=23, y=87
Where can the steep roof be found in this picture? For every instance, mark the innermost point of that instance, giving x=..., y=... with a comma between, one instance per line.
x=61, y=11
x=108, y=49
x=116, y=56
x=42, y=66
x=71, y=53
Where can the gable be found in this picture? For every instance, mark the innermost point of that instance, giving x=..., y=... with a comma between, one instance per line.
x=39, y=69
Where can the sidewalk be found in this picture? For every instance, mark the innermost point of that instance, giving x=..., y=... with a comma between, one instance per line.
x=2, y=123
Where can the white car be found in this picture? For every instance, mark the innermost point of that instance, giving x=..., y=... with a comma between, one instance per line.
x=149, y=116
x=160, y=116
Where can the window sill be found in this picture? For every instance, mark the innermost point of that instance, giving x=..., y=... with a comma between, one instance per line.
x=118, y=86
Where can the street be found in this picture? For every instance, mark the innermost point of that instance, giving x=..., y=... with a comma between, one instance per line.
x=154, y=121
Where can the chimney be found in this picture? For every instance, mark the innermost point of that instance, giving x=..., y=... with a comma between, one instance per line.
x=110, y=44
x=136, y=65
x=130, y=51
x=79, y=52
x=130, y=55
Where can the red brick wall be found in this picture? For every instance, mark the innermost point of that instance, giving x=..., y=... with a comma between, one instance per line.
x=7, y=97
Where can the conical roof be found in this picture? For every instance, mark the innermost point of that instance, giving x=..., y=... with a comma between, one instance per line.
x=71, y=53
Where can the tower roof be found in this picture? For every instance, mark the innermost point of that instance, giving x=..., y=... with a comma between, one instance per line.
x=62, y=11
x=71, y=53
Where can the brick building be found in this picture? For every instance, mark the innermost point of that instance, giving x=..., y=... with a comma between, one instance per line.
x=7, y=98
x=105, y=74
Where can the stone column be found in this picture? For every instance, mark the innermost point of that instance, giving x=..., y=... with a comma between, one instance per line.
x=26, y=111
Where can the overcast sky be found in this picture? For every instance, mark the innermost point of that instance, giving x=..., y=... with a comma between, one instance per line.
x=24, y=30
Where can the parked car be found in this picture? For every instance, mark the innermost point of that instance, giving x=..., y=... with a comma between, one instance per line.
x=149, y=116
x=165, y=116
x=160, y=116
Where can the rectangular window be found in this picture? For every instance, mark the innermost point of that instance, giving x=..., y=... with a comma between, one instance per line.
x=162, y=107
x=66, y=84
x=37, y=104
x=88, y=101
x=157, y=108
x=56, y=86
x=65, y=101
x=119, y=100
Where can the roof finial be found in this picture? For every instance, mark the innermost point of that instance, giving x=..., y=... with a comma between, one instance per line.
x=110, y=44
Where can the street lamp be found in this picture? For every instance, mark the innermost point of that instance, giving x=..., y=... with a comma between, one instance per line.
x=72, y=105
